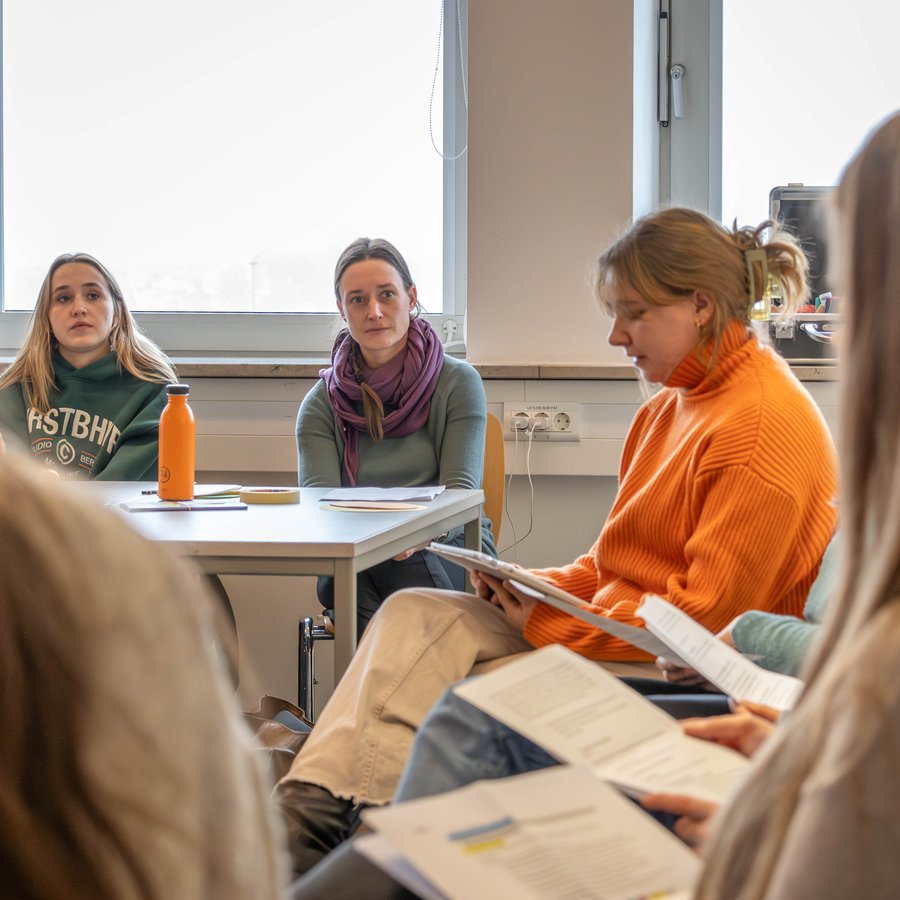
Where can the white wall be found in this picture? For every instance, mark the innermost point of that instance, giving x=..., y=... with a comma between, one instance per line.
x=550, y=165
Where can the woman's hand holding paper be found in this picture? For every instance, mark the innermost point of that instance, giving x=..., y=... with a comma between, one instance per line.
x=695, y=816
x=746, y=730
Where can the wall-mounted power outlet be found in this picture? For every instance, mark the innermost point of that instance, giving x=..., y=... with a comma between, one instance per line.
x=542, y=421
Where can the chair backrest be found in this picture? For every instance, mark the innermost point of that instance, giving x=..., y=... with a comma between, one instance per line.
x=493, y=481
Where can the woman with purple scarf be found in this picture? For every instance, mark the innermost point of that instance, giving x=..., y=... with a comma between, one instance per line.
x=391, y=411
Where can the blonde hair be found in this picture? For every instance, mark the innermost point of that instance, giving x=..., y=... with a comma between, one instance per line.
x=33, y=365
x=125, y=771
x=746, y=848
x=667, y=255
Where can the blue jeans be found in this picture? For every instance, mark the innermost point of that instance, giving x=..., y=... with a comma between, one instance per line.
x=457, y=744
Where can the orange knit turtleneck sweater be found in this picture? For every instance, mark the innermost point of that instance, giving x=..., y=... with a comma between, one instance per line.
x=725, y=503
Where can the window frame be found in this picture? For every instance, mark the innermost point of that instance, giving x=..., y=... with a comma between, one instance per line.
x=690, y=149
x=253, y=334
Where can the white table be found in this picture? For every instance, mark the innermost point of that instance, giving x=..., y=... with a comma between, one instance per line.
x=308, y=538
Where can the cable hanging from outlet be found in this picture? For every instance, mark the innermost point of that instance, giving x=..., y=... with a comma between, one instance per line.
x=514, y=546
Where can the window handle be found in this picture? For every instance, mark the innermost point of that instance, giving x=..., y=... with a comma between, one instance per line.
x=678, y=72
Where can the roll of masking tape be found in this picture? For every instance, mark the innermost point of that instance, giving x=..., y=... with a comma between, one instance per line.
x=270, y=495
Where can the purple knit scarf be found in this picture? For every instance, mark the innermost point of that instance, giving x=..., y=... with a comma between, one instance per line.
x=405, y=386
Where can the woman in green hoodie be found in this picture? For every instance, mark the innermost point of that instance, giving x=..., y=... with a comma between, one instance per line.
x=87, y=388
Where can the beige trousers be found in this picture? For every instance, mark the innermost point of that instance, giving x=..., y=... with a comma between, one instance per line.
x=419, y=643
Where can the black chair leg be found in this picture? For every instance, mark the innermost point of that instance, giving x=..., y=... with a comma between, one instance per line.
x=309, y=634
x=305, y=668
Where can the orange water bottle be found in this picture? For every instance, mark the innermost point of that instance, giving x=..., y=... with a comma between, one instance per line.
x=176, y=446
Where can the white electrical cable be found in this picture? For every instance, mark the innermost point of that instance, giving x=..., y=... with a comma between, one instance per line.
x=518, y=540
x=530, y=485
x=509, y=477
x=462, y=74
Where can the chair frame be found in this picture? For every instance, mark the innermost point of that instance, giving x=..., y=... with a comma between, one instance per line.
x=309, y=634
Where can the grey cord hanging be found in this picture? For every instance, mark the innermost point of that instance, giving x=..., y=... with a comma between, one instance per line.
x=462, y=73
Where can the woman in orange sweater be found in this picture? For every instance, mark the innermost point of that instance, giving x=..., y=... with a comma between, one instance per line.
x=724, y=505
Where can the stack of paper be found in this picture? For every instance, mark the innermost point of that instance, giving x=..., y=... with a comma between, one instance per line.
x=384, y=499
x=583, y=715
x=557, y=833
x=145, y=504
x=721, y=665
x=375, y=494
x=562, y=831
x=206, y=496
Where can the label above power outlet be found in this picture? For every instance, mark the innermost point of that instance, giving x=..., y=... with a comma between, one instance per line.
x=542, y=421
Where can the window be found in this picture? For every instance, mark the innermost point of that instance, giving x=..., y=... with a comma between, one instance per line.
x=775, y=92
x=834, y=74
x=218, y=155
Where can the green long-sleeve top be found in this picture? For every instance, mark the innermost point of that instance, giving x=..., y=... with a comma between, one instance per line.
x=101, y=423
x=448, y=449
x=782, y=643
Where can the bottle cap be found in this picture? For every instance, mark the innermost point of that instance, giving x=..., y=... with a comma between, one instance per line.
x=178, y=389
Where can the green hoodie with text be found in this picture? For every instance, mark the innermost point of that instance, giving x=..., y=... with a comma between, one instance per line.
x=102, y=422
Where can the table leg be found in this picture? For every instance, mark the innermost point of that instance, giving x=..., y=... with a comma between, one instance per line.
x=472, y=540
x=472, y=534
x=345, y=616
